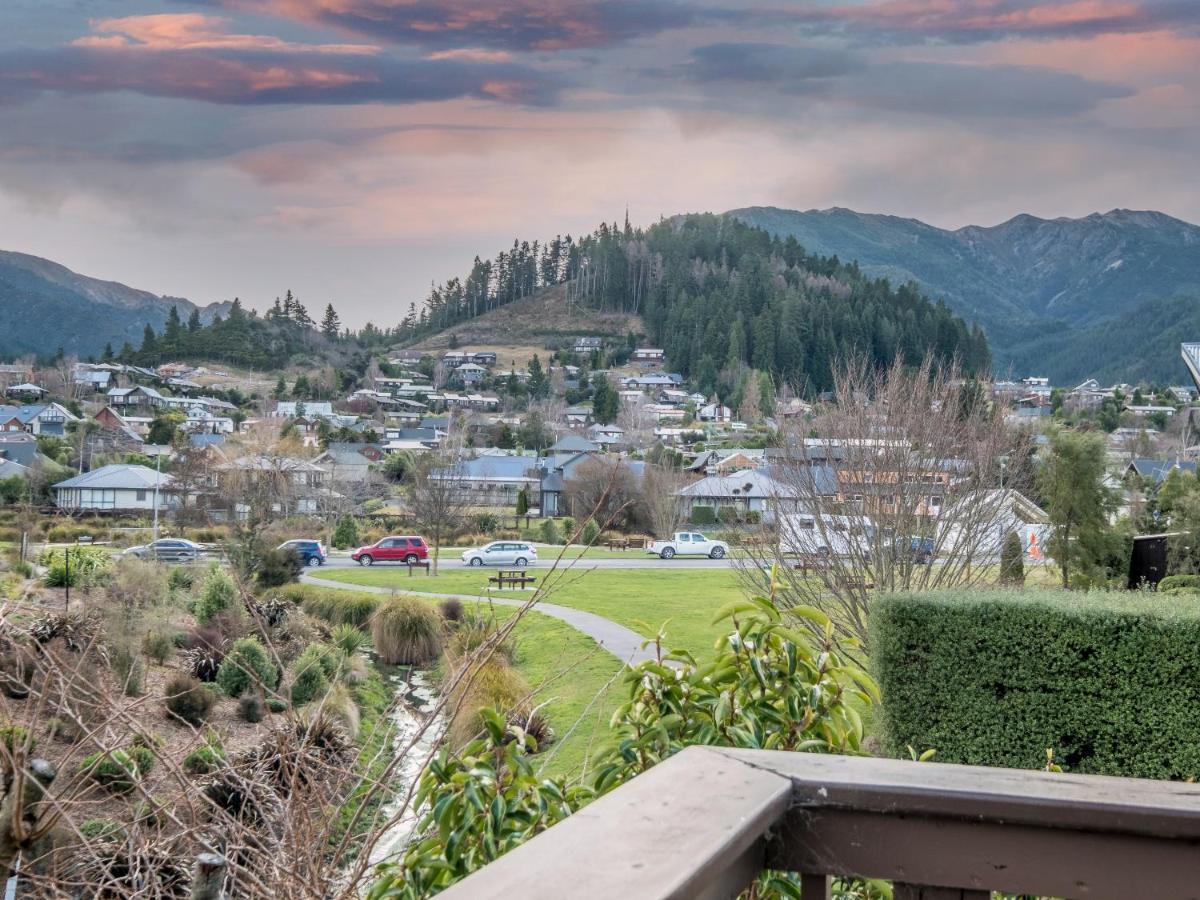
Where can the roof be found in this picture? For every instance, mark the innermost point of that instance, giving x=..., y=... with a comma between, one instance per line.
x=26, y=414
x=1158, y=469
x=10, y=469
x=131, y=478
x=26, y=388
x=499, y=468
x=287, y=408
x=199, y=440
x=345, y=453
x=760, y=483
x=574, y=444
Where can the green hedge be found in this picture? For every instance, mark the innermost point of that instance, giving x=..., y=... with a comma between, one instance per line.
x=1109, y=681
x=703, y=515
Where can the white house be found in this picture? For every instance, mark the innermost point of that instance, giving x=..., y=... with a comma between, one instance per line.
x=36, y=419
x=117, y=488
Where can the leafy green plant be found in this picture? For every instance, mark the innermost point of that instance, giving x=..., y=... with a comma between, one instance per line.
x=251, y=708
x=703, y=515
x=245, y=666
x=549, y=532
x=74, y=566
x=278, y=567
x=407, y=631
x=100, y=829
x=129, y=670
x=14, y=737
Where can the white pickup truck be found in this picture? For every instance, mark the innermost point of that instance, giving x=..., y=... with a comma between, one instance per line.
x=688, y=543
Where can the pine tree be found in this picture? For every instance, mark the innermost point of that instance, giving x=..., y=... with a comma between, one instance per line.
x=193, y=323
x=605, y=400
x=1012, y=561
x=173, y=332
x=149, y=346
x=331, y=325
x=539, y=385
x=280, y=389
x=108, y=353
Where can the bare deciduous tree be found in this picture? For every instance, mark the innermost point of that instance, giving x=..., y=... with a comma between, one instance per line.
x=660, y=503
x=603, y=488
x=438, y=495
x=907, y=485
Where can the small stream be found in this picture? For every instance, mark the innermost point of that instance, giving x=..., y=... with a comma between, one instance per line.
x=416, y=697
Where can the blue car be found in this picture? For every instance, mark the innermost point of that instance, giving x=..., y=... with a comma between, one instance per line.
x=311, y=552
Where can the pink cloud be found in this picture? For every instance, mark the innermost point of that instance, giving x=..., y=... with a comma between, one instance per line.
x=970, y=20
x=473, y=54
x=193, y=31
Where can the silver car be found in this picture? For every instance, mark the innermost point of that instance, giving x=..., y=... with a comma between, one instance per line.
x=502, y=553
x=168, y=550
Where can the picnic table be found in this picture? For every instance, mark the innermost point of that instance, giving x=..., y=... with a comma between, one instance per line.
x=512, y=578
x=811, y=562
x=627, y=544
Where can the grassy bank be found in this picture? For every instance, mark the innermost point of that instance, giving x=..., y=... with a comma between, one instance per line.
x=642, y=600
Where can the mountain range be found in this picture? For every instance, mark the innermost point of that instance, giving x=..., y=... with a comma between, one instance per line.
x=45, y=306
x=1108, y=295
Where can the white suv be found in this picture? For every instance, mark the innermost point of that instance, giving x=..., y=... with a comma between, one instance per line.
x=502, y=553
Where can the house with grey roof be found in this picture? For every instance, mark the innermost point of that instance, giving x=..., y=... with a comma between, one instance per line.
x=117, y=488
x=36, y=418
x=19, y=447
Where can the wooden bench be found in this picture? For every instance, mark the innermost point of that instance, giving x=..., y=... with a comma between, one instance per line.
x=619, y=544
x=517, y=578
x=858, y=584
x=419, y=564
x=627, y=544
x=806, y=564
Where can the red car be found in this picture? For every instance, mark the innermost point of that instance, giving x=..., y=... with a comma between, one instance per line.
x=392, y=549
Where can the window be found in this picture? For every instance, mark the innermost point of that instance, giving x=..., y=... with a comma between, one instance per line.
x=141, y=496
x=697, y=538
x=685, y=538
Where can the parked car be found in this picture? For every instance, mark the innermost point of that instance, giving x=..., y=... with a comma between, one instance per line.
x=168, y=550
x=688, y=543
x=312, y=553
x=392, y=549
x=502, y=553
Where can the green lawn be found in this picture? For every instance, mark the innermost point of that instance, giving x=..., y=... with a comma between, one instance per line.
x=642, y=600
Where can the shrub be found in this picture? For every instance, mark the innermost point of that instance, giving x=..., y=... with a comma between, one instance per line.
x=246, y=665
x=487, y=523
x=451, y=610
x=407, y=631
x=206, y=758
x=276, y=705
x=1012, y=560
x=703, y=515
x=188, y=700
x=202, y=663
x=348, y=639
x=339, y=607
x=1180, y=584
x=118, y=772
x=309, y=681
x=252, y=708
x=345, y=535
x=995, y=677
x=13, y=737
x=549, y=532
x=129, y=671
x=157, y=645
x=85, y=567
x=278, y=567
x=753, y=517
x=339, y=706
x=496, y=686
x=591, y=531
x=181, y=578
x=727, y=516
x=218, y=594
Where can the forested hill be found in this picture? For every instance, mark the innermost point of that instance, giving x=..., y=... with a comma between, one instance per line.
x=719, y=295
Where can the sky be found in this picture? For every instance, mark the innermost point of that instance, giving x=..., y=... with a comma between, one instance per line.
x=357, y=150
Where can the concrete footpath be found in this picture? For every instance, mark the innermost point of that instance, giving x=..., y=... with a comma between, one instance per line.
x=621, y=642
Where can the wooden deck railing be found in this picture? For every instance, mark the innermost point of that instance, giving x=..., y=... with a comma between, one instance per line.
x=705, y=822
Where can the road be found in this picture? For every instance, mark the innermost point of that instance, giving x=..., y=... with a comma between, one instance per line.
x=635, y=561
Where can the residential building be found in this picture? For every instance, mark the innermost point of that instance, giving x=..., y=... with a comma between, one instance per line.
x=36, y=419
x=647, y=357
x=287, y=409
x=588, y=344
x=484, y=358
x=760, y=492
x=19, y=447
x=573, y=444
x=1156, y=470
x=135, y=397
x=470, y=373
x=117, y=488
x=714, y=412
x=26, y=392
